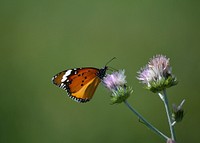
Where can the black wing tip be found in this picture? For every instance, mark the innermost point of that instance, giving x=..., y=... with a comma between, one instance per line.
x=53, y=79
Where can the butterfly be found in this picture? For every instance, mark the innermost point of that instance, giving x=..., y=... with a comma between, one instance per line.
x=80, y=83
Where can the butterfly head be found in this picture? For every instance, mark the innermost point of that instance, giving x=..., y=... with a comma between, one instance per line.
x=102, y=72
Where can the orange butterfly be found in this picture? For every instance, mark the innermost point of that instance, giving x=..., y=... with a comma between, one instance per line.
x=80, y=83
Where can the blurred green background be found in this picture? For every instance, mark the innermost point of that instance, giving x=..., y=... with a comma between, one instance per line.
x=41, y=38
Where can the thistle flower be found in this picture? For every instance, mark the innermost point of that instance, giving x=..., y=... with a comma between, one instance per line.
x=177, y=112
x=116, y=83
x=157, y=74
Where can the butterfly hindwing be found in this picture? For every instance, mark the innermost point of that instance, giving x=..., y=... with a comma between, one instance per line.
x=87, y=91
x=79, y=83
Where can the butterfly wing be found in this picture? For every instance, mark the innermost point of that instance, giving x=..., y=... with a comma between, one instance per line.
x=80, y=83
x=87, y=91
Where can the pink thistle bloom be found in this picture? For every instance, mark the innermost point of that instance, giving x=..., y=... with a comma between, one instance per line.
x=116, y=83
x=115, y=80
x=157, y=74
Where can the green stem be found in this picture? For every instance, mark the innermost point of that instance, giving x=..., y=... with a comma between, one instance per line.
x=155, y=130
x=173, y=137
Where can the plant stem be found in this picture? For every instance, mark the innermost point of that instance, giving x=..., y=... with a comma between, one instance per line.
x=173, y=137
x=155, y=130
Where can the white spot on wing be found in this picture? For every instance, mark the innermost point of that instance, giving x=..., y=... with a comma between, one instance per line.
x=66, y=75
x=62, y=85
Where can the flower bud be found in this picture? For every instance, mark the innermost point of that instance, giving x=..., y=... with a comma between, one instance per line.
x=178, y=112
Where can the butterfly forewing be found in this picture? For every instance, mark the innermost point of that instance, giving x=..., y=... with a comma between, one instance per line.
x=57, y=79
x=81, y=78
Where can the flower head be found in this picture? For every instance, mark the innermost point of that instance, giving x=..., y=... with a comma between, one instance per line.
x=157, y=74
x=115, y=80
x=116, y=83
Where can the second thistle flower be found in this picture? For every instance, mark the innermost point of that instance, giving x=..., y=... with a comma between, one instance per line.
x=157, y=74
x=116, y=83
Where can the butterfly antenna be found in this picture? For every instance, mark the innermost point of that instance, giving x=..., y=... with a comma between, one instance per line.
x=112, y=69
x=110, y=61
